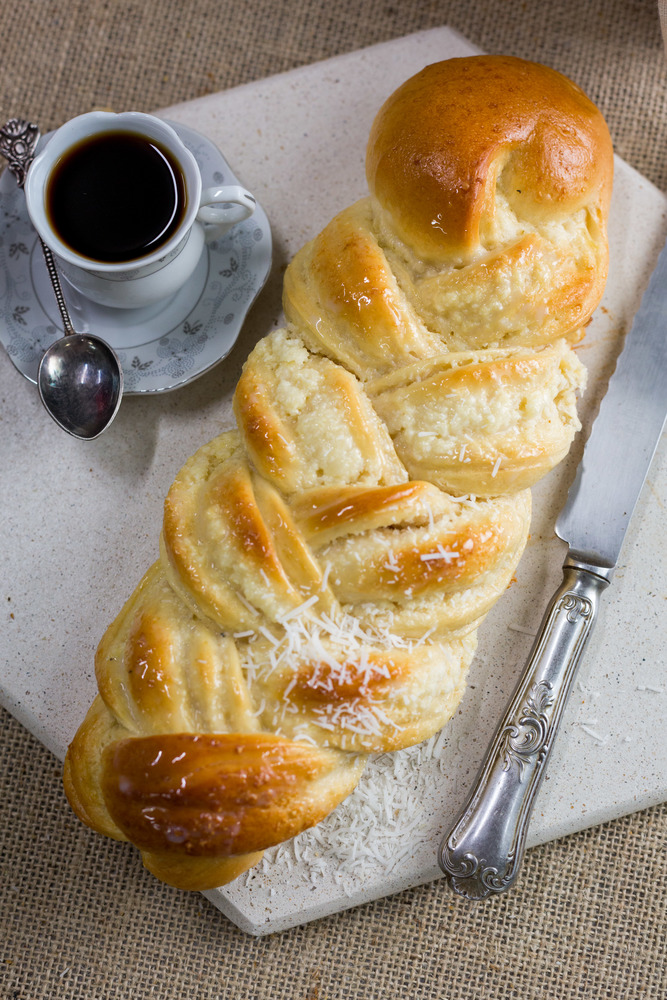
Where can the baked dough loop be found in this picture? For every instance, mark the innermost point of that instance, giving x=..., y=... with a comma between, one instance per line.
x=324, y=567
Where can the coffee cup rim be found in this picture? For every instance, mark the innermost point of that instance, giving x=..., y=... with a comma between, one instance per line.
x=93, y=123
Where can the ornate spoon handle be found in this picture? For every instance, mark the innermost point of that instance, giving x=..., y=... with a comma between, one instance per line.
x=57, y=288
x=18, y=142
x=484, y=850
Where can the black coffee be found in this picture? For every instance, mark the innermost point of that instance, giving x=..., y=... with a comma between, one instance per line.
x=116, y=197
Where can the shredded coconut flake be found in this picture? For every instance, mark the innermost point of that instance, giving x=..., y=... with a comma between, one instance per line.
x=375, y=827
x=247, y=605
x=593, y=734
x=300, y=610
x=441, y=553
x=520, y=628
x=338, y=653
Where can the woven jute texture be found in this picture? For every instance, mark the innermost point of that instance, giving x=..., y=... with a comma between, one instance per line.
x=80, y=918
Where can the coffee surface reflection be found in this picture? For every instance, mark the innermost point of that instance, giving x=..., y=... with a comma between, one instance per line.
x=116, y=196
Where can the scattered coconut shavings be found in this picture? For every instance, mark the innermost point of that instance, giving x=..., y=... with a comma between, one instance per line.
x=247, y=605
x=377, y=826
x=520, y=628
x=392, y=563
x=441, y=553
x=269, y=635
x=496, y=466
x=260, y=709
x=587, y=692
x=300, y=610
x=339, y=653
x=333, y=639
x=467, y=499
x=602, y=740
x=325, y=577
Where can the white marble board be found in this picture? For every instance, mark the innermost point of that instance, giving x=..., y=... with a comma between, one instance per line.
x=81, y=524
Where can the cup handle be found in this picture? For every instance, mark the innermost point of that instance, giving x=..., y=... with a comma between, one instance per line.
x=221, y=208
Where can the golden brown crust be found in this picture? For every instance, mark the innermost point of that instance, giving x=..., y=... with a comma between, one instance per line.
x=387, y=699
x=167, y=676
x=212, y=795
x=323, y=569
x=434, y=562
x=342, y=295
x=144, y=674
x=82, y=771
x=285, y=395
x=483, y=422
x=198, y=874
x=229, y=542
x=444, y=141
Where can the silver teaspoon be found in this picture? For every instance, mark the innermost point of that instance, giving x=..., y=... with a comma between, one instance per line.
x=80, y=379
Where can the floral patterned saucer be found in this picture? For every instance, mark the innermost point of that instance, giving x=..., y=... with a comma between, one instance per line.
x=160, y=347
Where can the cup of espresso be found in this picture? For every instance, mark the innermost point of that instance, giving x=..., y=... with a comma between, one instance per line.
x=118, y=198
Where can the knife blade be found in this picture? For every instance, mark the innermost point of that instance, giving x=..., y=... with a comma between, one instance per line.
x=624, y=436
x=482, y=853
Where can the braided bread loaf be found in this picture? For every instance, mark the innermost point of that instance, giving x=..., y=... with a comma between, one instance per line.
x=324, y=567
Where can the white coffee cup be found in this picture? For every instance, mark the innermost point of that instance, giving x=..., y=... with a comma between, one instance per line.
x=132, y=284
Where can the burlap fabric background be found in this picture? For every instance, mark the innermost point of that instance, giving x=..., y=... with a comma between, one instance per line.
x=80, y=917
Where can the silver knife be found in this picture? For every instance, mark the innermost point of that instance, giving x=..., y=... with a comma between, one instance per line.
x=483, y=852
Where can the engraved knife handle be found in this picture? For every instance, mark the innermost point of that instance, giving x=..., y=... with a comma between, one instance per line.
x=483, y=852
